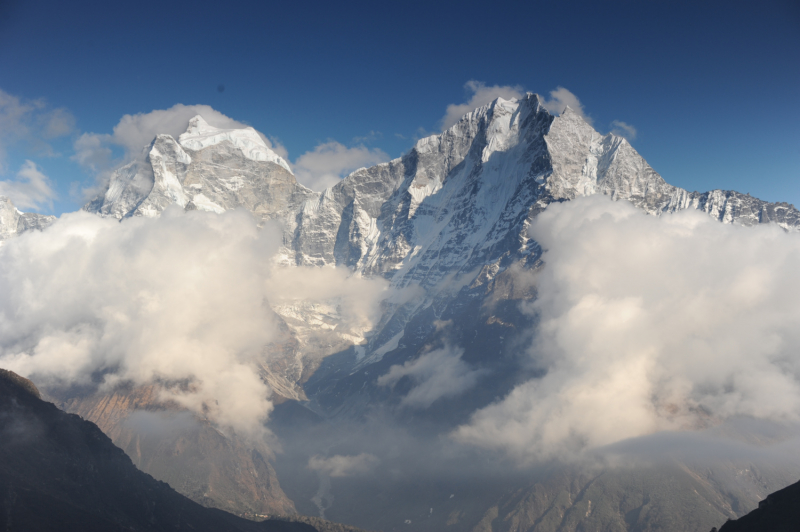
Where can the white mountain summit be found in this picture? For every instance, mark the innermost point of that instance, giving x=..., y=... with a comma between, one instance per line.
x=207, y=168
x=14, y=222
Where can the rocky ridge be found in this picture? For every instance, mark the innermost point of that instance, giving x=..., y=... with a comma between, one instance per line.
x=13, y=222
x=456, y=206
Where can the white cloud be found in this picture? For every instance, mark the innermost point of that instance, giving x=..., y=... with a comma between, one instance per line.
x=356, y=299
x=329, y=162
x=621, y=129
x=651, y=324
x=343, y=466
x=436, y=374
x=92, y=151
x=182, y=301
x=481, y=94
x=177, y=300
x=30, y=190
x=57, y=123
x=560, y=99
x=29, y=123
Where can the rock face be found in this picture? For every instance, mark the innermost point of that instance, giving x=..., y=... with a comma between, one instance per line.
x=448, y=220
x=13, y=222
x=187, y=452
x=779, y=512
x=457, y=206
x=59, y=472
x=206, y=168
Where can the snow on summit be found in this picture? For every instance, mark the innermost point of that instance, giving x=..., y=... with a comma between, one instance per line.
x=201, y=135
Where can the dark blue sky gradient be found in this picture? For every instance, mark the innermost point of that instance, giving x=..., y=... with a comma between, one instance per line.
x=713, y=88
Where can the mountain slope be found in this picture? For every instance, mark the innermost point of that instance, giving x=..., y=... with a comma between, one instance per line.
x=59, y=472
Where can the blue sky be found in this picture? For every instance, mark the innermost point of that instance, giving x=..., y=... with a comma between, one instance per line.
x=711, y=88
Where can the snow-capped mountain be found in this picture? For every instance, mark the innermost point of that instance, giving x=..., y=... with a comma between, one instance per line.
x=447, y=221
x=14, y=222
x=208, y=169
x=456, y=201
x=456, y=206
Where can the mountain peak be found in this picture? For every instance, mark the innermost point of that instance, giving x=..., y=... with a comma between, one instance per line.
x=196, y=124
x=13, y=221
x=200, y=134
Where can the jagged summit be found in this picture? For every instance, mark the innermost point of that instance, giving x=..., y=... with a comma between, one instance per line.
x=200, y=134
x=14, y=222
x=207, y=168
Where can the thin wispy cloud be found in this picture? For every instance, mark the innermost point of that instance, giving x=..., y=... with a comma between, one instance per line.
x=329, y=162
x=343, y=465
x=437, y=374
x=621, y=129
x=31, y=189
x=30, y=125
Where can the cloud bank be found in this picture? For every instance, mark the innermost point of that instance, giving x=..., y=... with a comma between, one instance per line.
x=650, y=324
x=179, y=300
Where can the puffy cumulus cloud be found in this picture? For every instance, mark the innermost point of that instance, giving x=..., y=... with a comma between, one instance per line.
x=184, y=301
x=329, y=162
x=621, y=129
x=180, y=301
x=31, y=189
x=481, y=94
x=31, y=123
x=562, y=98
x=436, y=374
x=343, y=466
x=650, y=324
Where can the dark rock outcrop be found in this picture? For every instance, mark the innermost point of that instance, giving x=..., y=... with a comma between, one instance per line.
x=779, y=512
x=60, y=472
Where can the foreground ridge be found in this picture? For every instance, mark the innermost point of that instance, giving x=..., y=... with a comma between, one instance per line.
x=60, y=472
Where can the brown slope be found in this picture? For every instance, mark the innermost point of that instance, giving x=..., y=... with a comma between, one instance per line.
x=187, y=452
x=60, y=472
